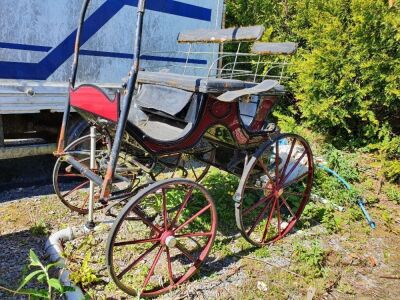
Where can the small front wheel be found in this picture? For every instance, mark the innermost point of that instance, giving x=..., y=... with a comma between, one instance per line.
x=71, y=187
x=161, y=237
x=275, y=189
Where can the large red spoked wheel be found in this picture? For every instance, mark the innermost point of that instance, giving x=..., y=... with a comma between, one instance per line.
x=161, y=237
x=276, y=189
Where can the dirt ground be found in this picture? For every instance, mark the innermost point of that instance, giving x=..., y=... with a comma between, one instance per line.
x=356, y=262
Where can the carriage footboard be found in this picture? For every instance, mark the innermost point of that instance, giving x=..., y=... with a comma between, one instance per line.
x=263, y=87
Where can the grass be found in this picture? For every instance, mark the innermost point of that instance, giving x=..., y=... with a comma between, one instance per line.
x=40, y=228
x=299, y=261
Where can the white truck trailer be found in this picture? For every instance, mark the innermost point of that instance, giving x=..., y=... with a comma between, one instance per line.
x=36, y=47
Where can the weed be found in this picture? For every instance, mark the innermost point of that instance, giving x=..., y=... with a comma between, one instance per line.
x=330, y=222
x=387, y=218
x=40, y=228
x=342, y=163
x=41, y=274
x=85, y=275
x=262, y=252
x=392, y=192
x=310, y=260
x=312, y=212
x=354, y=214
x=222, y=247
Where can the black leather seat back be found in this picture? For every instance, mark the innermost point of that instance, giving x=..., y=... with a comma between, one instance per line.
x=162, y=98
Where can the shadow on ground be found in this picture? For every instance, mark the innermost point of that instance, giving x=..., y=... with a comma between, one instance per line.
x=25, y=177
x=14, y=258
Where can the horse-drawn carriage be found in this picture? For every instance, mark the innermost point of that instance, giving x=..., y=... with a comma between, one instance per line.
x=152, y=143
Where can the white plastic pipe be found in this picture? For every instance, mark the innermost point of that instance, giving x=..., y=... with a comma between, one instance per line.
x=54, y=249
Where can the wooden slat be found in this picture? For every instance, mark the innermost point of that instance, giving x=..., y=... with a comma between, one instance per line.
x=287, y=48
x=237, y=34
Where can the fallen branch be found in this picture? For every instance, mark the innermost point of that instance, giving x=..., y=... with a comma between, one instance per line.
x=390, y=277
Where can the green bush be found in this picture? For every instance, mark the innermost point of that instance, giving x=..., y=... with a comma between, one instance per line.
x=347, y=70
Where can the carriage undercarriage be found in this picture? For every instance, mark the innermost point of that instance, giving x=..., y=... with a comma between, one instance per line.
x=143, y=161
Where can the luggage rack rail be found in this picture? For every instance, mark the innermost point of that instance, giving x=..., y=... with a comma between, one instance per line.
x=251, y=67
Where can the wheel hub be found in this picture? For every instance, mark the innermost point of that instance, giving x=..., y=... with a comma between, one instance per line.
x=278, y=192
x=168, y=239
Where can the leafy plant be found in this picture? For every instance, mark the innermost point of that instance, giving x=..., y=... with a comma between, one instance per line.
x=311, y=260
x=85, y=275
x=330, y=222
x=41, y=275
x=40, y=228
x=393, y=193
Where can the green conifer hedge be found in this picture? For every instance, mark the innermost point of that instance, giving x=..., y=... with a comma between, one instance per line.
x=347, y=71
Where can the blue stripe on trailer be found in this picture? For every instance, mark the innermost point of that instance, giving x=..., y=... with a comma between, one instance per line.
x=175, y=59
x=144, y=57
x=15, y=46
x=60, y=54
x=176, y=8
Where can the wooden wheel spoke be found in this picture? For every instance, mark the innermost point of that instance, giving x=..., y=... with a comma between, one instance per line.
x=194, y=234
x=192, y=218
x=255, y=205
x=185, y=252
x=260, y=216
x=153, y=266
x=277, y=160
x=254, y=188
x=85, y=201
x=297, y=179
x=76, y=188
x=125, y=243
x=185, y=201
x=170, y=272
x=271, y=214
x=145, y=219
x=278, y=212
x=135, y=262
x=288, y=158
x=293, y=168
x=293, y=193
x=71, y=175
x=261, y=163
x=287, y=206
x=194, y=172
x=164, y=207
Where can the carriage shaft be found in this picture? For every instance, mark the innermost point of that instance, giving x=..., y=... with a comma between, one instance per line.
x=84, y=170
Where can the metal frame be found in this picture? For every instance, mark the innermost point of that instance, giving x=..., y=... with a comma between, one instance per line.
x=125, y=104
x=250, y=67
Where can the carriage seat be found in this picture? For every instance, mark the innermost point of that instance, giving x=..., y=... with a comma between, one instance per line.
x=193, y=83
x=164, y=113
